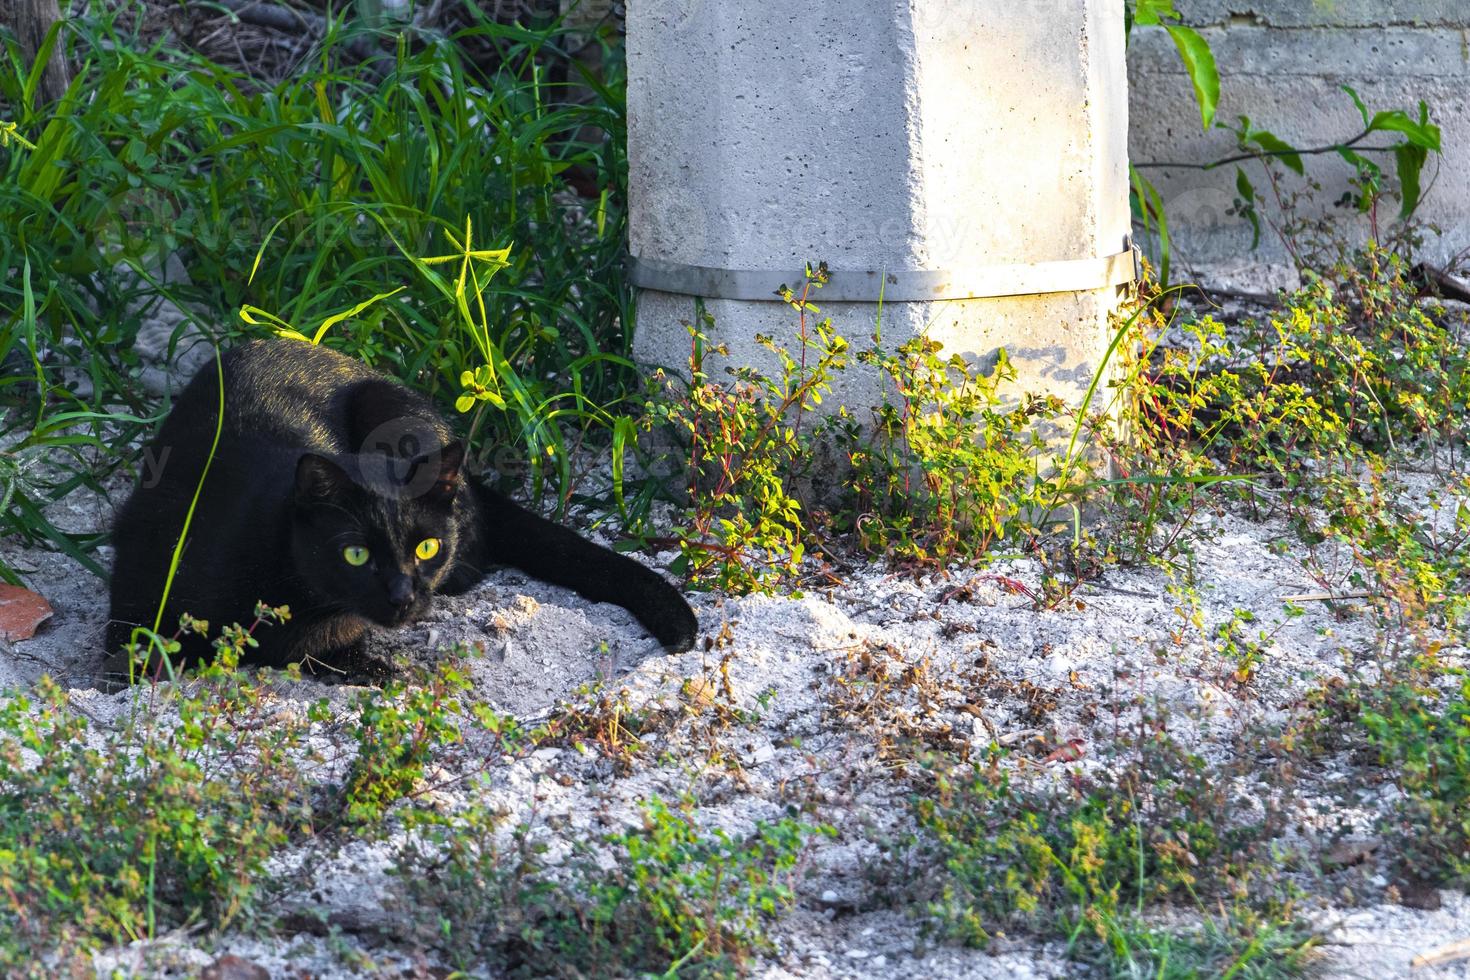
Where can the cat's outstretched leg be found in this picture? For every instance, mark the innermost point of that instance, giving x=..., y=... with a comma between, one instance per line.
x=505, y=533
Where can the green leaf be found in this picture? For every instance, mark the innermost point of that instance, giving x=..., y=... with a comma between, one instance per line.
x=1150, y=208
x=1199, y=61
x=1362, y=109
x=257, y=317
x=1147, y=13
x=1279, y=148
x=1410, y=160
x=1247, y=193
x=1368, y=172
x=1138, y=200
x=1362, y=163
x=1425, y=135
x=337, y=318
x=259, y=252
x=44, y=52
x=625, y=435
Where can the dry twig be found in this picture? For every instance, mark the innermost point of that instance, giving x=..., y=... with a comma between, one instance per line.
x=1445, y=954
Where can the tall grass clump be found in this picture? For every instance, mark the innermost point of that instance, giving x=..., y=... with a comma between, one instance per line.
x=346, y=175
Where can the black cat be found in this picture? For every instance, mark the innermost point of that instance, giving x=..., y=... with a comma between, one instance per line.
x=340, y=493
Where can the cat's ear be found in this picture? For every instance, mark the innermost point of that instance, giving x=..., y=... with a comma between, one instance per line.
x=449, y=467
x=319, y=479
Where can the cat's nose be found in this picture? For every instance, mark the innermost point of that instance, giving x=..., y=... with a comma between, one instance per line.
x=400, y=590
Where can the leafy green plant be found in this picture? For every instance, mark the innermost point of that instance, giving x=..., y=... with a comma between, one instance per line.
x=747, y=449
x=1087, y=865
x=1233, y=942
x=1340, y=368
x=117, y=833
x=1416, y=139
x=673, y=899
x=396, y=728
x=600, y=718
x=1233, y=640
x=1424, y=734
x=949, y=466
x=1413, y=575
x=1304, y=412
x=1412, y=139
x=1014, y=859
x=681, y=899
x=466, y=892
x=949, y=470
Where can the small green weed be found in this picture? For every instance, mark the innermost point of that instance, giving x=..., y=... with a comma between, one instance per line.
x=1233, y=640
x=598, y=718
x=109, y=834
x=683, y=896
x=396, y=729
x=1086, y=865
x=1233, y=943
x=1412, y=567
x=747, y=450
x=675, y=900
x=1424, y=734
x=1345, y=367
x=949, y=470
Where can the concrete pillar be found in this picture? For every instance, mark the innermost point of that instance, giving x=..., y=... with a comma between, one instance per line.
x=970, y=154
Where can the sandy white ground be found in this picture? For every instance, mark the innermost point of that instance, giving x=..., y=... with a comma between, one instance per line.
x=1123, y=646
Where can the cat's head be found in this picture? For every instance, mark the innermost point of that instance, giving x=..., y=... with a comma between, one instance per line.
x=373, y=535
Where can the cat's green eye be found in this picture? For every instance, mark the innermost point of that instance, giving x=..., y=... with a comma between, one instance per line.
x=428, y=548
x=355, y=555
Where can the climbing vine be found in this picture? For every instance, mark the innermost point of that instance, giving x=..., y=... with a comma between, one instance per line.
x=1409, y=139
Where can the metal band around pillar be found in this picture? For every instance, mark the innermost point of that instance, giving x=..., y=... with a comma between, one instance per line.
x=895, y=286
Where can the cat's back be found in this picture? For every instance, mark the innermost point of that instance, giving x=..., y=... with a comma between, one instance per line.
x=296, y=395
x=291, y=393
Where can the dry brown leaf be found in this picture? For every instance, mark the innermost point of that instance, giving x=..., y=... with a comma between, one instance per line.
x=21, y=611
x=1073, y=750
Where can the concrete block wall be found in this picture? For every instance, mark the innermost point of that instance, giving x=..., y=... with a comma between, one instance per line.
x=1283, y=62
